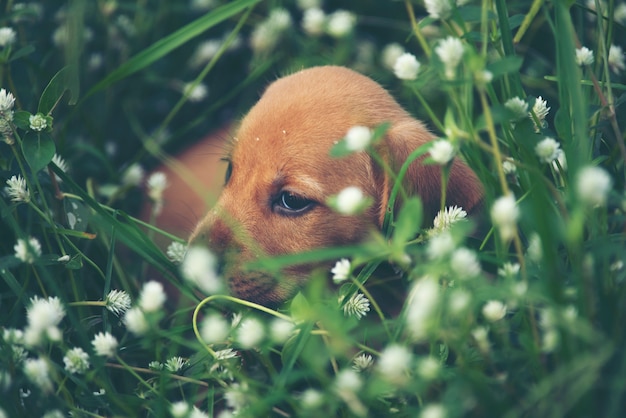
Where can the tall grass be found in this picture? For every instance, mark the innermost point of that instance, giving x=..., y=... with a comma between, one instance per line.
x=523, y=318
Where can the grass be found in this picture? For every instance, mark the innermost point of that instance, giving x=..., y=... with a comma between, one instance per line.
x=524, y=320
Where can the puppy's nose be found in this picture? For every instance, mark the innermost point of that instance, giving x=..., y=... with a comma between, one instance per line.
x=219, y=237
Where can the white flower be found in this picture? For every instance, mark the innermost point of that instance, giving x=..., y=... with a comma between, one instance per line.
x=179, y=409
x=7, y=36
x=540, y=110
x=394, y=363
x=76, y=361
x=43, y=317
x=195, y=92
x=390, y=54
x=428, y=368
x=176, y=252
x=483, y=77
x=433, y=410
x=152, y=296
x=311, y=398
x=509, y=270
x=340, y=23
x=265, y=36
x=358, y=305
x=175, y=364
x=225, y=354
x=55, y=413
x=7, y=100
x=250, y=333
x=442, y=151
x=358, y=138
x=197, y=413
x=465, y=263
x=200, y=268
x=494, y=310
x=422, y=304
x=535, y=248
x=593, y=185
x=104, y=344
x=406, y=67
x=450, y=52
x=341, y=271
x=439, y=9
x=136, y=322
x=313, y=21
x=214, y=329
x=281, y=330
x=27, y=251
x=448, y=217
x=440, y=245
x=279, y=19
x=117, y=301
x=38, y=372
x=348, y=381
x=518, y=107
x=133, y=176
x=584, y=56
x=349, y=200
x=17, y=190
x=60, y=162
x=362, y=362
x=547, y=150
x=504, y=214
x=481, y=336
x=459, y=301
x=37, y=122
x=157, y=182
x=616, y=59
x=204, y=52
x=509, y=167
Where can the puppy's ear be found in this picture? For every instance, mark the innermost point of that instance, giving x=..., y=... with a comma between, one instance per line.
x=401, y=140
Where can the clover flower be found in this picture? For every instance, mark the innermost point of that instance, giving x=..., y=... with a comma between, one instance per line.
x=214, y=329
x=440, y=246
x=494, y=310
x=250, y=333
x=450, y=52
x=422, y=303
x=509, y=167
x=180, y=409
x=348, y=381
x=406, y=67
x=204, y=52
x=157, y=182
x=362, y=362
x=518, y=107
x=200, y=269
x=340, y=23
x=311, y=398
x=152, y=296
x=195, y=92
x=7, y=36
x=616, y=59
x=535, y=247
x=547, y=150
x=448, y=217
x=175, y=364
x=133, y=175
x=593, y=185
x=341, y=271
x=504, y=215
x=390, y=54
x=584, y=56
x=17, y=190
x=117, y=301
x=281, y=330
x=313, y=21
x=394, y=363
x=428, y=368
x=442, y=151
x=481, y=336
x=433, y=410
x=267, y=34
x=37, y=122
x=176, y=252
x=104, y=344
x=509, y=270
x=358, y=138
x=358, y=306
x=540, y=110
x=439, y=9
x=459, y=301
x=136, y=322
x=44, y=316
x=349, y=200
x=464, y=263
x=7, y=100
x=38, y=372
x=76, y=361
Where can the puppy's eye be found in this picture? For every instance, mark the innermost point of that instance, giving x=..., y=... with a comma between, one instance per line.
x=292, y=204
x=229, y=171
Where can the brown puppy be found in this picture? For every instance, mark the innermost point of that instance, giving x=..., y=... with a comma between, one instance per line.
x=281, y=176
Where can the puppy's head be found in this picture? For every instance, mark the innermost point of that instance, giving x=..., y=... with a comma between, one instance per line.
x=281, y=175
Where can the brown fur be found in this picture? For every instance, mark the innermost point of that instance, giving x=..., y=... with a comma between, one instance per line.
x=283, y=145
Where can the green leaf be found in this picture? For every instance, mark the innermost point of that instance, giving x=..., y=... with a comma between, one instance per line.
x=38, y=149
x=21, y=119
x=166, y=45
x=53, y=92
x=409, y=221
x=506, y=65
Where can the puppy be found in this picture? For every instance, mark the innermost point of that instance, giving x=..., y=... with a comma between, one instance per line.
x=280, y=176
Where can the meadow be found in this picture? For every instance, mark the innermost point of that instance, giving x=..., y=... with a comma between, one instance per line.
x=524, y=319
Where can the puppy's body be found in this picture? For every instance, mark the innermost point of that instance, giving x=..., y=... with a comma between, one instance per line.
x=282, y=175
